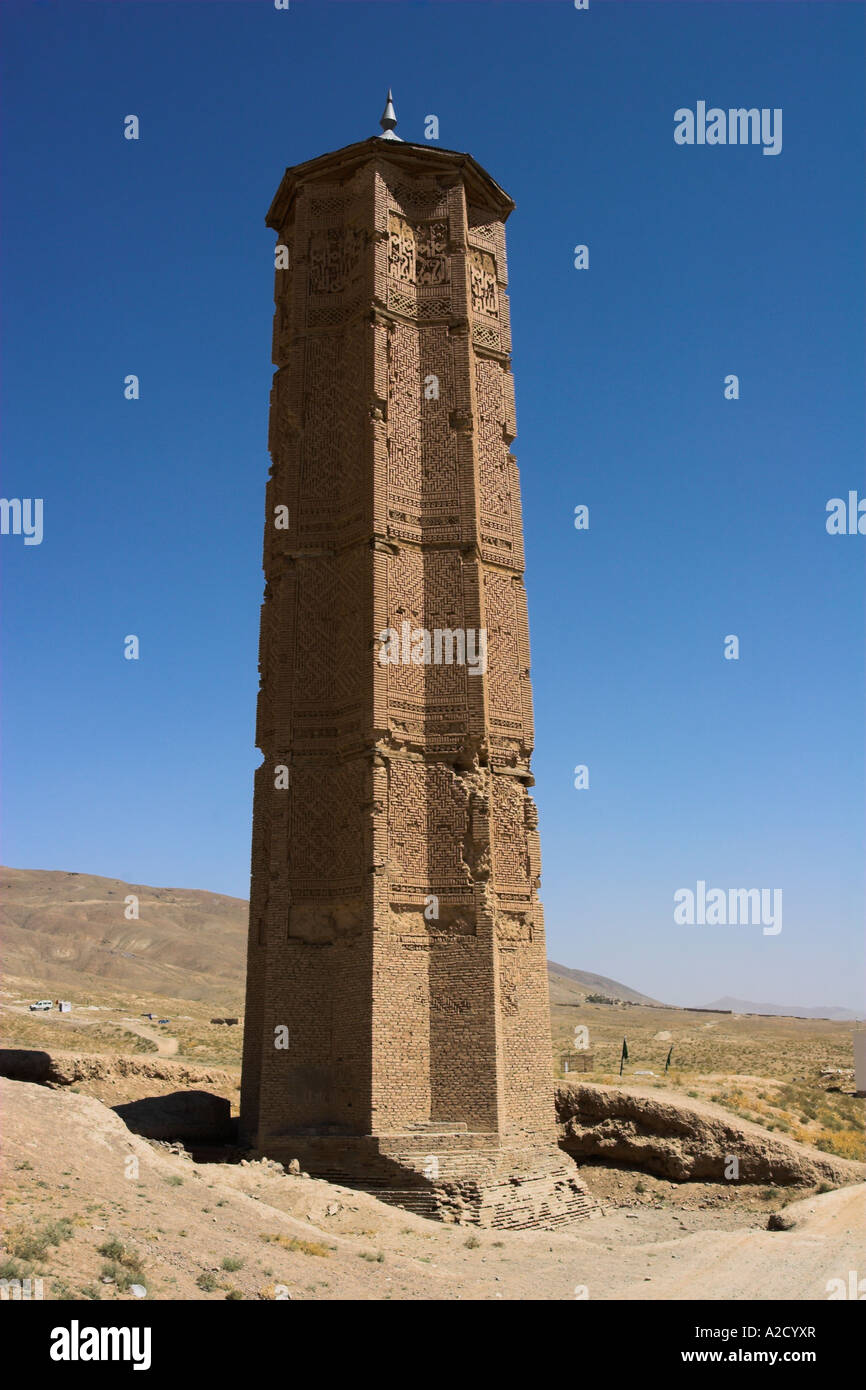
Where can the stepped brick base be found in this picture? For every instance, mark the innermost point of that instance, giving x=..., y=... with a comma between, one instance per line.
x=449, y=1175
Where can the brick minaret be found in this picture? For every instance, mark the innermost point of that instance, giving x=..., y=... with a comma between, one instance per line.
x=396, y=938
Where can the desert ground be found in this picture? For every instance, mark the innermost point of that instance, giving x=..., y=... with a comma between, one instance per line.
x=94, y=1209
x=98, y=1211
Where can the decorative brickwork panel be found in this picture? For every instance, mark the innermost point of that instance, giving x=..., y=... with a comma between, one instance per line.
x=419, y=267
x=503, y=633
x=423, y=463
x=510, y=855
x=499, y=482
x=431, y=239
x=331, y=652
x=425, y=591
x=401, y=243
x=404, y=415
x=428, y=822
x=326, y=844
x=485, y=299
x=335, y=260
x=284, y=421
x=334, y=428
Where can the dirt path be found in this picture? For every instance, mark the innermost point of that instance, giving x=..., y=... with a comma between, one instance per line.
x=166, y=1046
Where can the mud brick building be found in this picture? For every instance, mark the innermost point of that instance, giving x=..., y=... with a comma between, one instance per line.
x=397, y=1029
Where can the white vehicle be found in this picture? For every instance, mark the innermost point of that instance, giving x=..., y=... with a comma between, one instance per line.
x=40, y=1006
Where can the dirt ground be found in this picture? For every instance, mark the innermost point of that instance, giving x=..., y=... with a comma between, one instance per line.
x=88, y=1201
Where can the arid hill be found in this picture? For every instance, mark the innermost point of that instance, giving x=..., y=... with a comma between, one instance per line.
x=70, y=929
x=568, y=986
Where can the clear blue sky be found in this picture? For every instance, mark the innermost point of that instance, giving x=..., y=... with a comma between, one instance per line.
x=707, y=516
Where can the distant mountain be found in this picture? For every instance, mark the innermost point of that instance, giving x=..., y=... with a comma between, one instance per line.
x=66, y=930
x=746, y=1006
x=562, y=993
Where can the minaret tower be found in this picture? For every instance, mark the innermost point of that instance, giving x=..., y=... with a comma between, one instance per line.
x=397, y=1022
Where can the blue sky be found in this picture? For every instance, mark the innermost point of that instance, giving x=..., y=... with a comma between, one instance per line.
x=707, y=516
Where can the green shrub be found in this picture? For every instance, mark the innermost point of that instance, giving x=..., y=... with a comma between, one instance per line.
x=33, y=1243
x=123, y=1266
x=112, y=1249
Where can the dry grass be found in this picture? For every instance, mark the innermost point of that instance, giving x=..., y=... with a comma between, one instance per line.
x=210, y=1044
x=763, y=1069
x=297, y=1246
x=96, y=1022
x=36, y=1031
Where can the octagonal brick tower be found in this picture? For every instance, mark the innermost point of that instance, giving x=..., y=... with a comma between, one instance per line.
x=397, y=1032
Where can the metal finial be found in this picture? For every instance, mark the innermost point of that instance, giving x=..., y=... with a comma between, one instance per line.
x=388, y=119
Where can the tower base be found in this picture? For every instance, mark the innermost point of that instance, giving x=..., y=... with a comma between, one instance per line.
x=448, y=1175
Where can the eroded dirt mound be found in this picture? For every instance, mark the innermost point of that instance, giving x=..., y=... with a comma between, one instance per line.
x=686, y=1142
x=66, y=1068
x=122, y=1081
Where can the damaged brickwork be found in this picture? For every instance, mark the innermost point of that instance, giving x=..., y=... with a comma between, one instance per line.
x=396, y=947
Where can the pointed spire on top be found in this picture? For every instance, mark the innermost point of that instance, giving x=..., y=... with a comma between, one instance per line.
x=388, y=119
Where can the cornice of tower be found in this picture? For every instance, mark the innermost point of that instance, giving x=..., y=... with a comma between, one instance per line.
x=417, y=159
